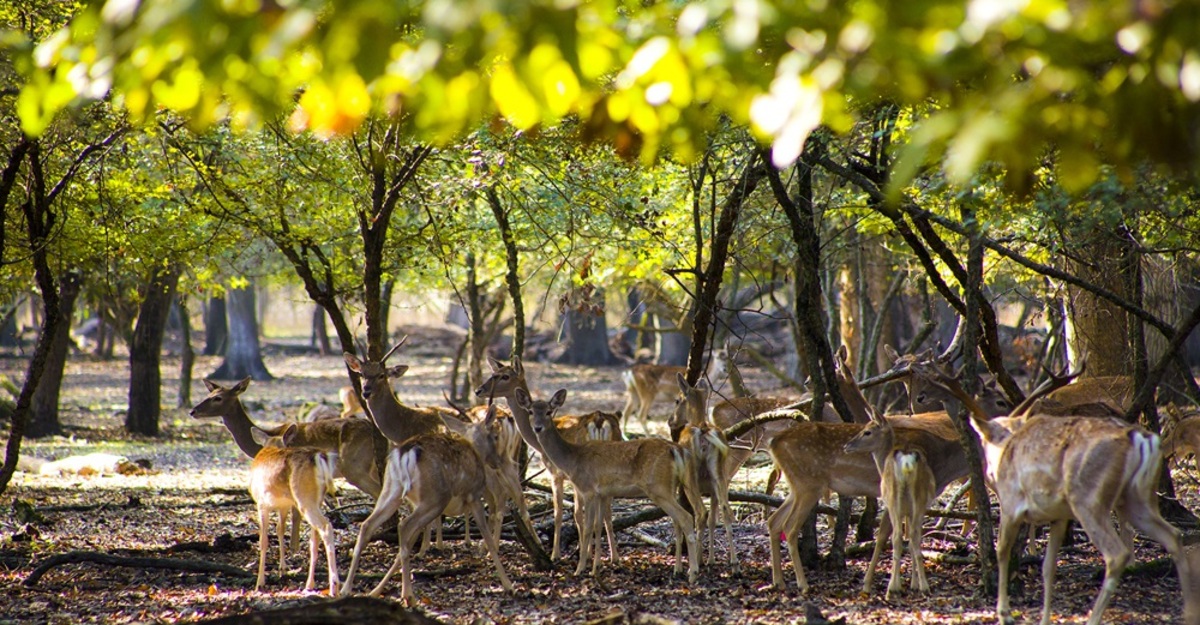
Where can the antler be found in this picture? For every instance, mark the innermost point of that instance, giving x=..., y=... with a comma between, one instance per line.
x=393, y=349
x=1055, y=382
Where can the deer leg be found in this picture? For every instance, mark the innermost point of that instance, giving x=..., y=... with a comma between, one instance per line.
x=601, y=518
x=294, y=543
x=778, y=524
x=584, y=525
x=409, y=529
x=686, y=524
x=607, y=515
x=556, y=486
x=280, y=533
x=388, y=503
x=1054, y=541
x=1004, y=545
x=919, y=582
x=881, y=538
x=1116, y=556
x=264, y=517
x=493, y=546
x=895, y=583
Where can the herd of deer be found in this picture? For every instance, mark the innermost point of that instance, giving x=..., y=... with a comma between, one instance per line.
x=1060, y=455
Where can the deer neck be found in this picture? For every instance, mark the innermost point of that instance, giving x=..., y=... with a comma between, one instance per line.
x=521, y=417
x=854, y=399
x=389, y=416
x=237, y=421
x=558, y=450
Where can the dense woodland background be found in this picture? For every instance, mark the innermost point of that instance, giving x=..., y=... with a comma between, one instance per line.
x=592, y=184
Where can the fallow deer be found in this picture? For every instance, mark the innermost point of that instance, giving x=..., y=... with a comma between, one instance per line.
x=598, y=425
x=283, y=479
x=352, y=439
x=438, y=473
x=601, y=470
x=1048, y=470
x=708, y=450
x=924, y=397
x=645, y=383
x=908, y=487
x=1182, y=434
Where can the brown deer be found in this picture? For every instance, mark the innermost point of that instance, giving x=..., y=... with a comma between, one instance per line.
x=395, y=420
x=924, y=396
x=438, y=473
x=283, y=479
x=352, y=439
x=1100, y=396
x=504, y=382
x=908, y=487
x=645, y=383
x=1182, y=434
x=601, y=470
x=1048, y=470
x=708, y=450
x=501, y=472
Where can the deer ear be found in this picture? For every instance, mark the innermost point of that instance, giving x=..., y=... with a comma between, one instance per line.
x=397, y=371
x=211, y=386
x=682, y=381
x=494, y=364
x=891, y=353
x=259, y=436
x=523, y=398
x=517, y=365
x=490, y=416
x=289, y=434
x=352, y=362
x=557, y=400
x=843, y=353
x=241, y=386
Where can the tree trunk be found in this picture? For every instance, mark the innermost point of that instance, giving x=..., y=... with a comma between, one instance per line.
x=187, y=355
x=243, y=354
x=216, y=327
x=673, y=345
x=320, y=333
x=1098, y=330
x=512, y=275
x=145, y=351
x=585, y=333
x=8, y=326
x=43, y=418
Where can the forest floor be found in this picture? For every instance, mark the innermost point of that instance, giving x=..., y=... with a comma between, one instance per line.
x=194, y=506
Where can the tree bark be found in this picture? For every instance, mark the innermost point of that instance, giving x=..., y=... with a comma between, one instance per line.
x=586, y=335
x=320, y=333
x=1098, y=329
x=145, y=351
x=43, y=419
x=243, y=354
x=216, y=327
x=512, y=275
x=187, y=355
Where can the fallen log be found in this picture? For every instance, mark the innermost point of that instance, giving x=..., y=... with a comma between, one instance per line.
x=73, y=557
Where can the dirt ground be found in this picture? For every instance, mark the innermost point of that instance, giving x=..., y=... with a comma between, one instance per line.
x=195, y=506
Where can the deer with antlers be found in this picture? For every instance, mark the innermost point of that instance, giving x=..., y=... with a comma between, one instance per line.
x=601, y=470
x=1048, y=470
x=708, y=450
x=504, y=382
x=283, y=479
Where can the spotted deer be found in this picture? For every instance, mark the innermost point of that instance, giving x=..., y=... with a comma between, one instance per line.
x=1051, y=469
x=645, y=383
x=284, y=478
x=504, y=382
x=601, y=470
x=438, y=473
x=707, y=450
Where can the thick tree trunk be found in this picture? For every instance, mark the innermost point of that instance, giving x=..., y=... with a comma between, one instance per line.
x=512, y=275
x=586, y=336
x=243, y=354
x=1099, y=330
x=673, y=345
x=216, y=327
x=145, y=351
x=43, y=419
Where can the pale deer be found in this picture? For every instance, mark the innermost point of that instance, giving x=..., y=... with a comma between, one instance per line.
x=645, y=383
x=352, y=439
x=708, y=450
x=813, y=460
x=438, y=473
x=351, y=404
x=1100, y=396
x=504, y=382
x=601, y=470
x=283, y=479
x=1049, y=469
x=908, y=487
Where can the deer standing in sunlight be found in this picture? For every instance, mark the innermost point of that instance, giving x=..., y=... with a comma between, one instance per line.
x=1050, y=469
x=601, y=470
x=598, y=425
x=282, y=479
x=708, y=450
